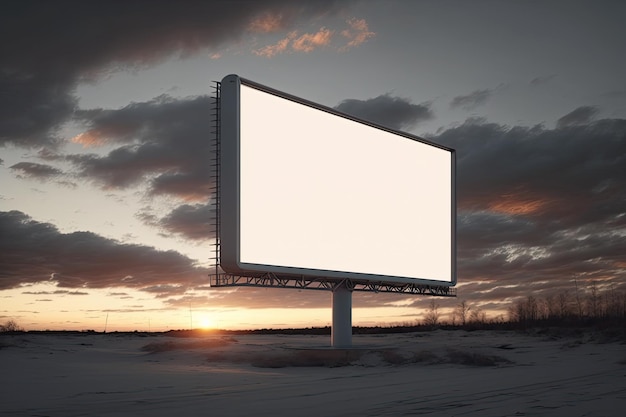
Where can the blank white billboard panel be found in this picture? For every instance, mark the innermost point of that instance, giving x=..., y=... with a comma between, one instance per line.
x=308, y=191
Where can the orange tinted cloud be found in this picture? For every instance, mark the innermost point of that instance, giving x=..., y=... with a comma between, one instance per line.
x=105, y=133
x=357, y=34
x=90, y=139
x=304, y=43
x=518, y=204
x=277, y=48
x=310, y=41
x=266, y=23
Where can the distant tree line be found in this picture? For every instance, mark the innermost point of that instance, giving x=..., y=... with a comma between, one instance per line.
x=569, y=306
x=590, y=304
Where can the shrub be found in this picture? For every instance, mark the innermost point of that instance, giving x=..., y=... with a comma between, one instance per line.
x=10, y=326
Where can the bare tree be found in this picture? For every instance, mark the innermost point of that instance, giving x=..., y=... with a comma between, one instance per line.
x=499, y=319
x=10, y=326
x=461, y=311
x=563, y=301
x=579, y=302
x=478, y=316
x=432, y=315
x=552, y=307
x=615, y=303
x=524, y=311
x=542, y=309
x=593, y=301
x=531, y=308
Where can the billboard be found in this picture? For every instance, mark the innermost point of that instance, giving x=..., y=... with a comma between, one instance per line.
x=308, y=191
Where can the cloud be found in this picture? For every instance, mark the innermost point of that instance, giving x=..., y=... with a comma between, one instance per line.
x=471, y=100
x=278, y=48
x=474, y=99
x=32, y=252
x=191, y=221
x=310, y=41
x=537, y=171
x=56, y=292
x=394, y=112
x=539, y=205
x=537, y=81
x=357, y=33
x=33, y=106
x=33, y=170
x=55, y=46
x=194, y=222
x=268, y=23
x=307, y=42
x=164, y=141
x=579, y=116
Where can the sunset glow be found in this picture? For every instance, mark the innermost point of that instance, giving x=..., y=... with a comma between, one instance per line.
x=206, y=322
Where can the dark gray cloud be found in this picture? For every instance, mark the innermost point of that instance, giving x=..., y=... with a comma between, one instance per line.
x=190, y=221
x=33, y=104
x=49, y=47
x=194, y=222
x=538, y=205
x=570, y=174
x=579, y=116
x=37, y=171
x=472, y=100
x=32, y=252
x=166, y=140
x=394, y=112
x=537, y=81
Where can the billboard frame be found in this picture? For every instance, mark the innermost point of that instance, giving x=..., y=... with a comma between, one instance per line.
x=227, y=255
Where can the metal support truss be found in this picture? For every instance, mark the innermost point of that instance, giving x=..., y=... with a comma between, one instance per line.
x=323, y=283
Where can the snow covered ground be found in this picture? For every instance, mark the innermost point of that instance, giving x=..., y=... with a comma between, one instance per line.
x=439, y=373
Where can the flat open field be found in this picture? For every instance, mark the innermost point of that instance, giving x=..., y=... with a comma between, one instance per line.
x=439, y=373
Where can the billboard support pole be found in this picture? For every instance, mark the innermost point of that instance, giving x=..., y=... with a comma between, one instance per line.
x=341, y=331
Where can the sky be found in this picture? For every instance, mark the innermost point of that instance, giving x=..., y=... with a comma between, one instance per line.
x=105, y=147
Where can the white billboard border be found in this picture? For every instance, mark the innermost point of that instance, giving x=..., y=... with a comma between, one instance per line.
x=227, y=217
